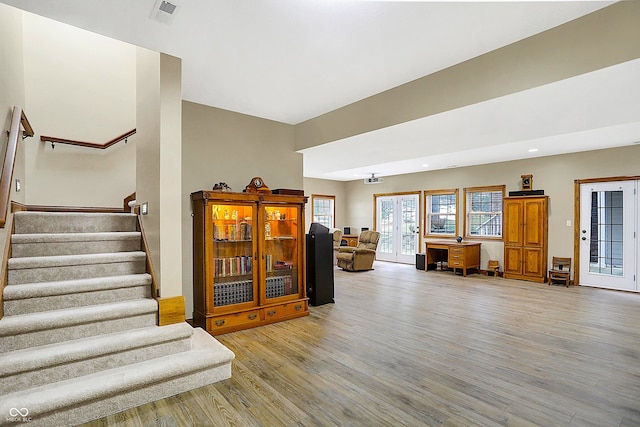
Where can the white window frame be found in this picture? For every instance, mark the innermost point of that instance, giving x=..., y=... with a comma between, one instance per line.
x=429, y=215
x=468, y=192
x=332, y=207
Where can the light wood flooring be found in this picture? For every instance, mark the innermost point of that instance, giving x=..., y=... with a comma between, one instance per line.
x=405, y=347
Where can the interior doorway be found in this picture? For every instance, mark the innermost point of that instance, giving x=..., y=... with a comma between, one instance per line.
x=397, y=219
x=609, y=252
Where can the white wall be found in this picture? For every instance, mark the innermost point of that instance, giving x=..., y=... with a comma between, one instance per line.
x=79, y=86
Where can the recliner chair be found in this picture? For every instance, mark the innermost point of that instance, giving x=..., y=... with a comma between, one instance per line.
x=361, y=257
x=337, y=239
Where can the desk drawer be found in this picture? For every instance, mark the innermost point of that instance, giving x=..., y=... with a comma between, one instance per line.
x=456, y=251
x=456, y=263
x=457, y=257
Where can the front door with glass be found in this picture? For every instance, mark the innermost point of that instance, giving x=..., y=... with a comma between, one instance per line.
x=608, y=229
x=397, y=221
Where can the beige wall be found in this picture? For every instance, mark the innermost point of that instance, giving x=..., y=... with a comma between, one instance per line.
x=79, y=86
x=12, y=92
x=223, y=146
x=170, y=183
x=327, y=188
x=158, y=165
x=555, y=175
x=11, y=71
x=601, y=39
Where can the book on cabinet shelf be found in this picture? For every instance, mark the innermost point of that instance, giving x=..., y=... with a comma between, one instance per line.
x=232, y=232
x=229, y=293
x=232, y=266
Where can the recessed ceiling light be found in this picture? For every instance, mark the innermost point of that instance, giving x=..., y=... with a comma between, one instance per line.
x=532, y=150
x=425, y=165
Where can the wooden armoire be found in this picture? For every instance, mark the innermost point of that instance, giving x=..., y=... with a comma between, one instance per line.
x=525, y=237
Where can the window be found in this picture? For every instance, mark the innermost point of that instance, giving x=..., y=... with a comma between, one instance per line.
x=441, y=209
x=324, y=210
x=483, y=207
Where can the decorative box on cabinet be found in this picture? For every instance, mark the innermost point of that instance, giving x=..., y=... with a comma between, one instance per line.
x=248, y=259
x=525, y=237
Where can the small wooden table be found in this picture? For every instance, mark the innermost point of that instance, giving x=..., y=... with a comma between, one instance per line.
x=464, y=255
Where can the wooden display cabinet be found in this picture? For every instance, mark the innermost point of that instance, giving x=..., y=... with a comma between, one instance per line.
x=248, y=259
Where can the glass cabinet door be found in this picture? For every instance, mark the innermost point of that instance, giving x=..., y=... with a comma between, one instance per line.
x=233, y=227
x=281, y=256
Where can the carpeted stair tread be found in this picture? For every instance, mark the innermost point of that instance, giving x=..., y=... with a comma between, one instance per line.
x=72, y=222
x=46, y=320
x=37, y=358
x=73, y=260
x=66, y=287
x=50, y=244
x=74, y=237
x=52, y=398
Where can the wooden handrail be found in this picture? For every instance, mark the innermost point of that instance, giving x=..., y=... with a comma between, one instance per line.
x=18, y=118
x=155, y=292
x=28, y=130
x=131, y=197
x=55, y=140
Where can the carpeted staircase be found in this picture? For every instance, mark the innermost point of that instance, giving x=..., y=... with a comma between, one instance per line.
x=78, y=340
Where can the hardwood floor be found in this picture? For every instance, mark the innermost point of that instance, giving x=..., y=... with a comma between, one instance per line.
x=405, y=347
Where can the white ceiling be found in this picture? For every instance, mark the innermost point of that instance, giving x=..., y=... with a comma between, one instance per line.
x=292, y=60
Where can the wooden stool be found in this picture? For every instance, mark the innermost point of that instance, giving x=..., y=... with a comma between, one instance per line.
x=493, y=266
x=560, y=271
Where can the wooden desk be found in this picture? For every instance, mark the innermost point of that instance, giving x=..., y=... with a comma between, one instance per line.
x=465, y=255
x=352, y=239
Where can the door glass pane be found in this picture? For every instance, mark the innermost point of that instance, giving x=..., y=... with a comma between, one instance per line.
x=385, y=245
x=232, y=254
x=281, y=250
x=606, y=246
x=409, y=218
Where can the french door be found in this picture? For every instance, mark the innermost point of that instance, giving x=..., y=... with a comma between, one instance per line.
x=397, y=221
x=609, y=249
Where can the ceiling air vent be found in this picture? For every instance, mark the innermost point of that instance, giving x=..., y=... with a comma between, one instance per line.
x=167, y=7
x=164, y=11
